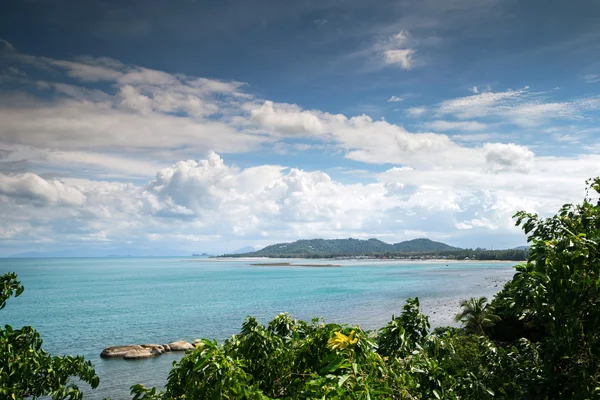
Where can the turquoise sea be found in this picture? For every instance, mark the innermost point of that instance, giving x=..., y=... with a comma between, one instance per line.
x=81, y=305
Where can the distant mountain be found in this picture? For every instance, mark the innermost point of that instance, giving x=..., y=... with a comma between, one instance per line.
x=331, y=247
x=243, y=250
x=201, y=255
x=521, y=248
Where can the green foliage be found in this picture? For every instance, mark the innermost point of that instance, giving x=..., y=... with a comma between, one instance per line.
x=9, y=286
x=26, y=370
x=476, y=315
x=291, y=359
x=486, y=255
x=555, y=296
x=403, y=334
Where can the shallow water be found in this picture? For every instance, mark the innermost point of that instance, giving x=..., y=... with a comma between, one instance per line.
x=82, y=305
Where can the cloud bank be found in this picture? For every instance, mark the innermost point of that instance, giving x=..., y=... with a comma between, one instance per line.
x=96, y=151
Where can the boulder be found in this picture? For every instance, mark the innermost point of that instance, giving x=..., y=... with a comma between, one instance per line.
x=154, y=348
x=140, y=351
x=118, y=351
x=181, y=345
x=138, y=354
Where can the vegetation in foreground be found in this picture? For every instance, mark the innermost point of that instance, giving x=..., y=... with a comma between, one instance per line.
x=539, y=338
x=26, y=370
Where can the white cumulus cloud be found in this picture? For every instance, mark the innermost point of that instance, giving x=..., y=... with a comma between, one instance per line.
x=30, y=187
x=508, y=157
x=402, y=57
x=110, y=153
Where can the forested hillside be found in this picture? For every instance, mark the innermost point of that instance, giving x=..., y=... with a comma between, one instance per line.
x=373, y=248
x=340, y=247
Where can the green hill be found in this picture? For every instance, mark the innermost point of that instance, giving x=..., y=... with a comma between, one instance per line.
x=346, y=247
x=421, y=245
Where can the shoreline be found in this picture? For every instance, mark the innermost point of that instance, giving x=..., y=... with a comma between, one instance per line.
x=287, y=264
x=358, y=260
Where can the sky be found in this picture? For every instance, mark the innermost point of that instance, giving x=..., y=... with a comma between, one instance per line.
x=160, y=127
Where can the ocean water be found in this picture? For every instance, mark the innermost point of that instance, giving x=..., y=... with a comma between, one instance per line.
x=82, y=305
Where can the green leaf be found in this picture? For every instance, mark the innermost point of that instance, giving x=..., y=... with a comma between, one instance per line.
x=343, y=380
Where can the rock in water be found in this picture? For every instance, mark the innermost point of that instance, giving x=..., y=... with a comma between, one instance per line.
x=138, y=354
x=118, y=351
x=154, y=348
x=181, y=345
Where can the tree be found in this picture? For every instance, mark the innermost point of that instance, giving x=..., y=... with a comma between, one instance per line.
x=402, y=334
x=476, y=315
x=557, y=293
x=26, y=370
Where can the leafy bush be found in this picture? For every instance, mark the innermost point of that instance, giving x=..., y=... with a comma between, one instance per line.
x=291, y=359
x=554, y=297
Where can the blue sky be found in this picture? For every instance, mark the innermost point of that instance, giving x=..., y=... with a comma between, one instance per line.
x=196, y=125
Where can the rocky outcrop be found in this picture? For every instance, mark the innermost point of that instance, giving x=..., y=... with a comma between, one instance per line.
x=181, y=345
x=118, y=351
x=141, y=351
x=154, y=348
x=138, y=354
